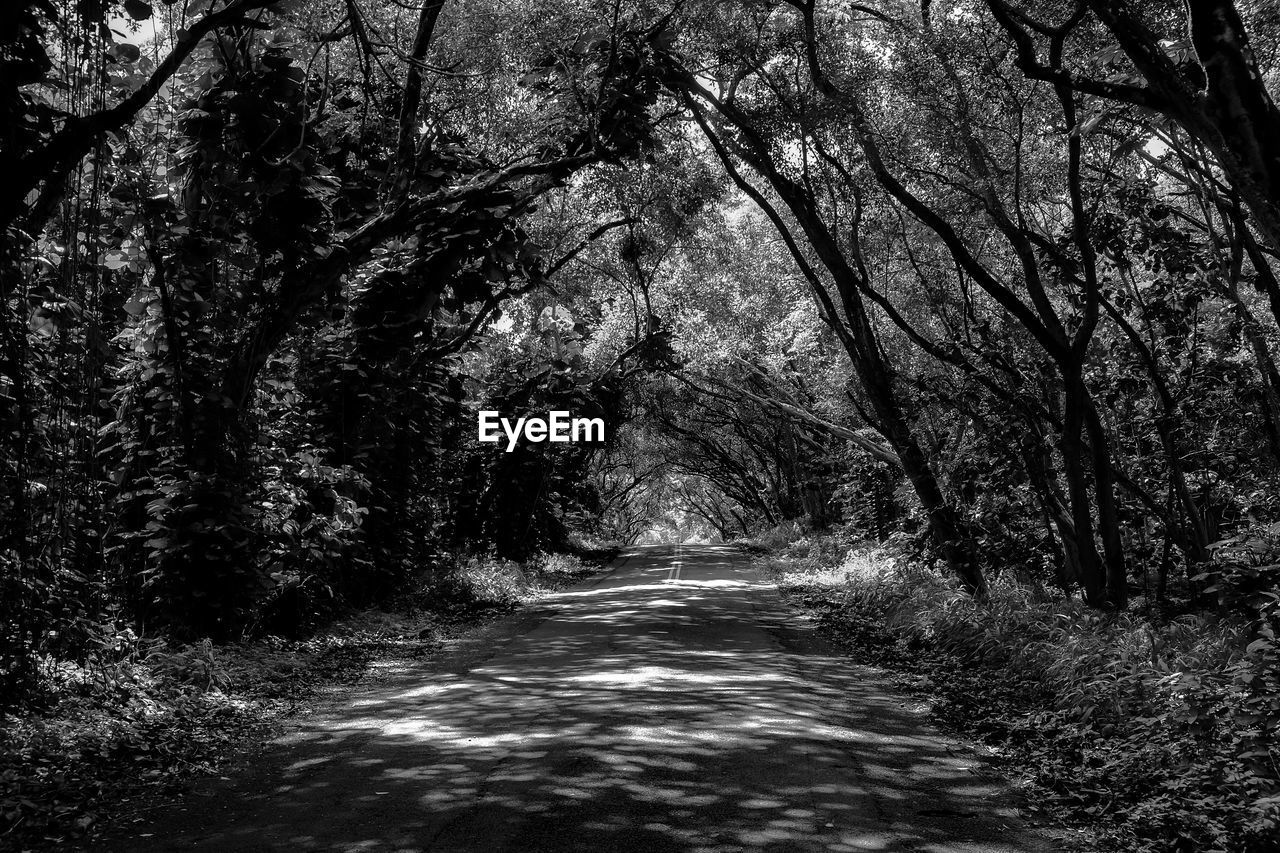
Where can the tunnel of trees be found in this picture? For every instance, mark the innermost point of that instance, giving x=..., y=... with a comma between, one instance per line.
x=998, y=278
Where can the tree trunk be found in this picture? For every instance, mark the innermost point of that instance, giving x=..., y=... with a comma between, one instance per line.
x=1073, y=417
x=1104, y=488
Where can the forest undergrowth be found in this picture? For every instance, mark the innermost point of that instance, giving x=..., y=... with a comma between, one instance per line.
x=141, y=718
x=1151, y=734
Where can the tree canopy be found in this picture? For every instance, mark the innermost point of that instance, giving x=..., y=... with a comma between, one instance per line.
x=994, y=278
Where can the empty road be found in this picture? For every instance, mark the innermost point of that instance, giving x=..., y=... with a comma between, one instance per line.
x=676, y=704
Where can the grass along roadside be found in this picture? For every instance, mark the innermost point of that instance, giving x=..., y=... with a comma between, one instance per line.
x=1152, y=737
x=140, y=719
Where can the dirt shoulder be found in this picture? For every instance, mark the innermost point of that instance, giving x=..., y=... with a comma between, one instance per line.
x=143, y=726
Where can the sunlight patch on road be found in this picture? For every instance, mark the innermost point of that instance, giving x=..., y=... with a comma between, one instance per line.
x=601, y=591
x=650, y=674
x=445, y=735
x=663, y=586
x=720, y=583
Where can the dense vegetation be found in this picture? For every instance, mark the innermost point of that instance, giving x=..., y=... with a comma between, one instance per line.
x=994, y=281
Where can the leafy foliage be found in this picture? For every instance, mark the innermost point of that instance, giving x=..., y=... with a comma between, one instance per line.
x=992, y=282
x=1152, y=736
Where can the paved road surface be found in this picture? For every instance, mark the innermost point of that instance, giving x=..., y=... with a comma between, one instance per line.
x=677, y=704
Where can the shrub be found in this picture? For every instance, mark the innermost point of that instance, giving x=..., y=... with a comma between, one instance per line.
x=494, y=581
x=780, y=536
x=557, y=564
x=1164, y=734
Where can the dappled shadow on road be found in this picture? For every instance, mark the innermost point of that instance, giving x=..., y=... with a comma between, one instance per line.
x=650, y=713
